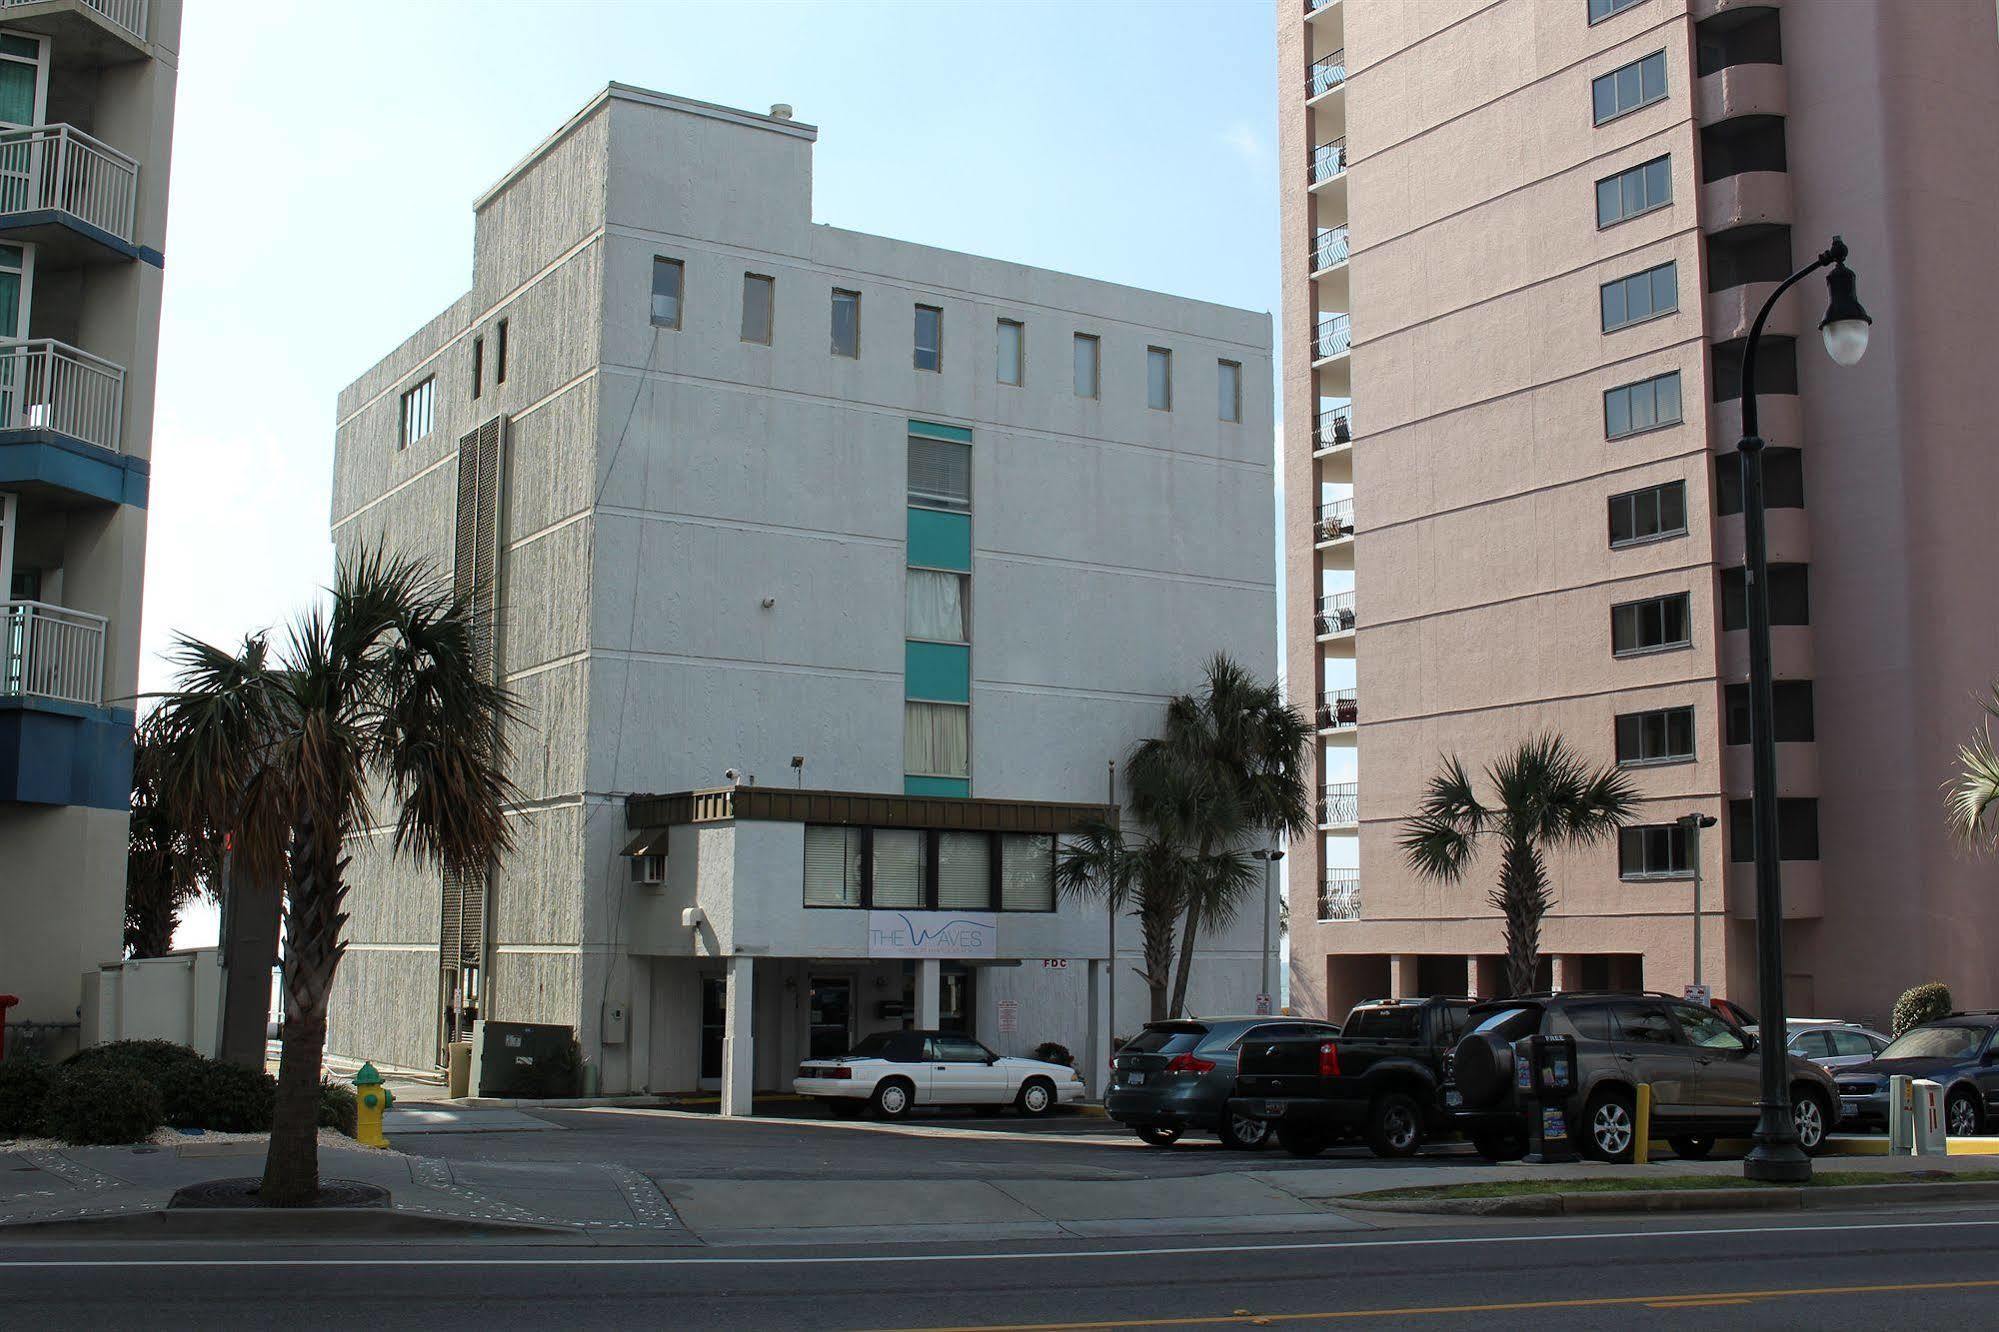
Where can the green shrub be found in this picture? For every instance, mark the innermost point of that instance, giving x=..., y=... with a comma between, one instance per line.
x=101, y=1107
x=337, y=1108
x=1920, y=1004
x=151, y=1060
x=210, y=1094
x=1054, y=1052
x=24, y=1090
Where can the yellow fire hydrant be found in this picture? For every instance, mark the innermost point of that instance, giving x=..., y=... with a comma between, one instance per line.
x=371, y=1098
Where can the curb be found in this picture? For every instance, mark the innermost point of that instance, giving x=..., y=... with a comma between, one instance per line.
x=1680, y=1200
x=303, y=1223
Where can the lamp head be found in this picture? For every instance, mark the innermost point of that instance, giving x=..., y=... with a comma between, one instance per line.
x=1846, y=322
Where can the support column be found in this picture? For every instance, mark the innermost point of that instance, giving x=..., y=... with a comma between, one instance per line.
x=1401, y=975
x=1100, y=1052
x=929, y=992
x=1567, y=971
x=739, y=1050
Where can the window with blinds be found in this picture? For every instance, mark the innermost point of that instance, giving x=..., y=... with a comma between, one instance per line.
x=940, y=474
x=964, y=872
x=898, y=867
x=1027, y=873
x=833, y=867
x=475, y=569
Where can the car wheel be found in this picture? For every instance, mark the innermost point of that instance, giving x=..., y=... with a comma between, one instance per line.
x=1394, y=1125
x=1300, y=1141
x=1499, y=1144
x=1609, y=1126
x=1692, y=1148
x=1809, y=1117
x=1960, y=1114
x=1037, y=1098
x=1158, y=1135
x=1244, y=1133
x=893, y=1099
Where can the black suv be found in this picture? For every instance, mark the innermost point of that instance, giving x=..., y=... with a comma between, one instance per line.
x=1703, y=1071
x=1960, y=1053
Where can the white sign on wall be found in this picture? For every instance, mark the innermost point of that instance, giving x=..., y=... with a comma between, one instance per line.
x=1009, y=1016
x=933, y=934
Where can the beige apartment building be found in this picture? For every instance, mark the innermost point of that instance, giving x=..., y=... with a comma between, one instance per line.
x=1523, y=243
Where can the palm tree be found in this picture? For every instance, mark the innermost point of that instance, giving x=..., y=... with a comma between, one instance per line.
x=1143, y=875
x=167, y=865
x=1229, y=770
x=381, y=692
x=1971, y=797
x=1545, y=797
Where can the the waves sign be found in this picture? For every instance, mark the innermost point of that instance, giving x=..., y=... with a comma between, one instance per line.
x=933, y=934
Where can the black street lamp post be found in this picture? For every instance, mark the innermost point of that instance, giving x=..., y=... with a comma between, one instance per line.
x=1776, y=1155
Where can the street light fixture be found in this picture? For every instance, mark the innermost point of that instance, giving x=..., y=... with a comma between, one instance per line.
x=1776, y=1156
x=1269, y=856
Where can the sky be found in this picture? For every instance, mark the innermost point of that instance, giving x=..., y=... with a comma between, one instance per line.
x=326, y=158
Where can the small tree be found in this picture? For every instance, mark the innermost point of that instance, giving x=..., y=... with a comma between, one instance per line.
x=1545, y=797
x=1143, y=875
x=167, y=864
x=1920, y=1004
x=1971, y=797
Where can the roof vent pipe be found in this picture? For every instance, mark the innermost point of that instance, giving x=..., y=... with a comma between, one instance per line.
x=780, y=111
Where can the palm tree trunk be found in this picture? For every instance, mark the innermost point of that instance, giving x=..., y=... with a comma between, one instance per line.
x=1156, y=933
x=149, y=925
x=1522, y=898
x=1190, y=929
x=312, y=954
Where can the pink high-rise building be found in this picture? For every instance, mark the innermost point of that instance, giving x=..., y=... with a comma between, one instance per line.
x=1523, y=243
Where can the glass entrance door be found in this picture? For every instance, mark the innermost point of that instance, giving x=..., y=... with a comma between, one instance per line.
x=714, y=1021
x=832, y=1021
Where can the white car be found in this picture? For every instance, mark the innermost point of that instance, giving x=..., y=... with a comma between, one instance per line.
x=893, y=1072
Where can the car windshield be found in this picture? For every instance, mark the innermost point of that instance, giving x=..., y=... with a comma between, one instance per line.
x=873, y=1047
x=1935, y=1043
x=1177, y=1039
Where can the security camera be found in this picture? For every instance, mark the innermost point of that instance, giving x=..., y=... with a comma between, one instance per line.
x=798, y=760
x=769, y=602
x=729, y=773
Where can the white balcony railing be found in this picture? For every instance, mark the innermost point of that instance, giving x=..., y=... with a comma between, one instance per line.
x=62, y=168
x=1339, y=804
x=1339, y=895
x=127, y=14
x=51, y=652
x=50, y=385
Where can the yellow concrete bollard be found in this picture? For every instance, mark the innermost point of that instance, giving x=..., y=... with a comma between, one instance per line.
x=371, y=1098
x=1641, y=1127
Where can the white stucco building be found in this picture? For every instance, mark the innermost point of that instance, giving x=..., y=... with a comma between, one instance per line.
x=831, y=571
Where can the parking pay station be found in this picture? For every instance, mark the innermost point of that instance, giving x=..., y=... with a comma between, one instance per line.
x=1915, y=1117
x=1544, y=1079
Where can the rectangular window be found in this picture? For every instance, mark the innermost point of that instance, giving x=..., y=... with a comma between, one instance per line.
x=833, y=866
x=1648, y=515
x=1087, y=348
x=419, y=408
x=1650, y=625
x=1653, y=851
x=1600, y=10
x=1665, y=735
x=1623, y=90
x=667, y=275
x=1792, y=702
x=1642, y=296
x=846, y=323
x=1011, y=352
x=929, y=338
x=1797, y=830
x=936, y=739
x=1790, y=596
x=478, y=367
x=1027, y=872
x=936, y=606
x=1631, y=409
x=940, y=474
x=759, y=298
x=1783, y=481
x=500, y=353
x=899, y=858
x=1159, y=379
x=1228, y=375
x=964, y=871
x=1639, y=190
x=650, y=869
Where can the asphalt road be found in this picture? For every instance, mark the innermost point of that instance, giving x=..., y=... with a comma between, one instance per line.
x=1875, y=1269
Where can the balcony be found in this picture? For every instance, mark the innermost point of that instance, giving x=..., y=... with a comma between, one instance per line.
x=1314, y=6
x=1333, y=429
x=1334, y=616
x=1325, y=74
x=1339, y=805
x=1329, y=247
x=1328, y=162
x=1333, y=337
x=51, y=652
x=1339, y=710
x=1339, y=895
x=85, y=31
x=52, y=387
x=1334, y=523
x=69, y=193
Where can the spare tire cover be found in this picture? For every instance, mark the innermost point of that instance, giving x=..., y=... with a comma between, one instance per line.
x=1483, y=1067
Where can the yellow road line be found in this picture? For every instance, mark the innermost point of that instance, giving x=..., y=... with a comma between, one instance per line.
x=1689, y=1300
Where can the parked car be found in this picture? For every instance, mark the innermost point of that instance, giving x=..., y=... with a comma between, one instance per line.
x=1704, y=1072
x=1959, y=1052
x=1386, y=1077
x=1830, y=1042
x=1176, y=1076
x=893, y=1072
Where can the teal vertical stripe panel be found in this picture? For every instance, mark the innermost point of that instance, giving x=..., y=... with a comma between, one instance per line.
x=940, y=540
x=937, y=672
x=936, y=431
x=937, y=786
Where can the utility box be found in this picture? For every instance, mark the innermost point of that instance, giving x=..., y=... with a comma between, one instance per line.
x=523, y=1059
x=1915, y=1118
x=458, y=1069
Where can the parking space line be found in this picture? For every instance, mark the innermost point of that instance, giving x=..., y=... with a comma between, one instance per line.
x=899, y=1130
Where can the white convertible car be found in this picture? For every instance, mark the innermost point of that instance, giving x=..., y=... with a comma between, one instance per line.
x=896, y=1071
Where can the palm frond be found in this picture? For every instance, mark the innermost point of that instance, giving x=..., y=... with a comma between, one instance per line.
x=1971, y=797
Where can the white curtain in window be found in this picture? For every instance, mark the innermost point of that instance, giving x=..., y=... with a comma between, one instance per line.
x=937, y=606
x=898, y=867
x=964, y=872
x=832, y=867
x=1027, y=872
x=936, y=740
